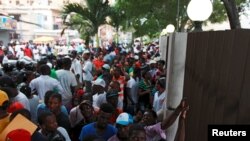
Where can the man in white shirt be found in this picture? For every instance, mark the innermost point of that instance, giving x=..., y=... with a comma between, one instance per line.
x=159, y=96
x=87, y=71
x=8, y=85
x=36, y=53
x=76, y=66
x=44, y=83
x=68, y=81
x=99, y=95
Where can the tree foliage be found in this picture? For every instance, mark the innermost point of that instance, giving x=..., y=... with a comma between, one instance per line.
x=160, y=13
x=87, y=18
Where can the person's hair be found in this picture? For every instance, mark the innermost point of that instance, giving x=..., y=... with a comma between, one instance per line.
x=26, y=90
x=47, y=96
x=42, y=117
x=66, y=63
x=135, y=128
x=57, y=96
x=154, y=114
x=44, y=69
x=5, y=105
x=8, y=68
x=59, y=64
x=107, y=108
x=118, y=69
x=144, y=73
x=26, y=113
x=161, y=62
x=162, y=82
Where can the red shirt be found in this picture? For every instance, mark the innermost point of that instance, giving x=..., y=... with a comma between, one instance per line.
x=98, y=63
x=28, y=52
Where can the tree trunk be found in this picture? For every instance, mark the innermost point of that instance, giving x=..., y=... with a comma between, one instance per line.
x=232, y=13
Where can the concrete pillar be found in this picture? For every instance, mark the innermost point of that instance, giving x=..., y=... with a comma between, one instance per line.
x=175, y=76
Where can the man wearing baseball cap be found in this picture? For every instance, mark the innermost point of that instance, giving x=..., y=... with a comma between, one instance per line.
x=4, y=115
x=123, y=121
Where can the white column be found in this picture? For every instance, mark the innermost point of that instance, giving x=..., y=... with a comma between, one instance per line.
x=175, y=76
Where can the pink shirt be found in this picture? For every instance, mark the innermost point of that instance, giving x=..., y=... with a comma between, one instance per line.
x=154, y=132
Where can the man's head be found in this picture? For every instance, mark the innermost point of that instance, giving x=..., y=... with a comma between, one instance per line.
x=112, y=97
x=149, y=117
x=98, y=85
x=106, y=67
x=137, y=133
x=44, y=69
x=105, y=113
x=123, y=121
x=8, y=86
x=114, y=85
x=86, y=108
x=86, y=55
x=47, y=122
x=66, y=63
x=74, y=54
x=117, y=71
x=55, y=102
x=161, y=84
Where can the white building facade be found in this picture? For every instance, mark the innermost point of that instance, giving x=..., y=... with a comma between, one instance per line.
x=36, y=17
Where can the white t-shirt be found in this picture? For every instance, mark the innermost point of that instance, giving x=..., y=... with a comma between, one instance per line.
x=133, y=86
x=87, y=74
x=97, y=99
x=158, y=100
x=75, y=116
x=67, y=80
x=76, y=66
x=44, y=83
x=23, y=100
x=36, y=54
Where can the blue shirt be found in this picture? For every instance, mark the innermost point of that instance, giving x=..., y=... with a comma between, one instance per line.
x=90, y=129
x=43, y=108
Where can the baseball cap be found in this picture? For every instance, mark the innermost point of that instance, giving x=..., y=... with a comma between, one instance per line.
x=18, y=135
x=86, y=51
x=124, y=119
x=152, y=62
x=3, y=97
x=106, y=66
x=15, y=106
x=111, y=93
x=88, y=102
x=136, y=57
x=99, y=82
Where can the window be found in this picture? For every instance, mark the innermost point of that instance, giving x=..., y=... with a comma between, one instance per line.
x=0, y=2
x=31, y=2
x=17, y=2
x=10, y=1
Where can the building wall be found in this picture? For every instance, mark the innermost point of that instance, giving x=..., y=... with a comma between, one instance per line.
x=37, y=14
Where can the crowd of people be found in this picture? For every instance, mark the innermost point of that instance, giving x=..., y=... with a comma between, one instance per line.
x=108, y=93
